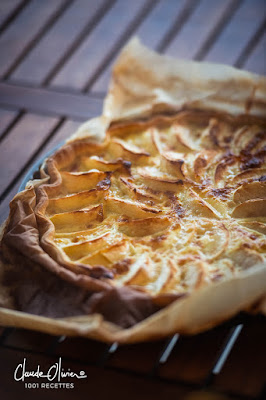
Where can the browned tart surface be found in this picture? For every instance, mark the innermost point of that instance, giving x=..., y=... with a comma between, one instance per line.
x=164, y=206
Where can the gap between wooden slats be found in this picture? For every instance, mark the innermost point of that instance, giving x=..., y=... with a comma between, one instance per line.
x=151, y=31
x=25, y=30
x=7, y=119
x=237, y=33
x=251, y=44
x=100, y=44
x=196, y=31
x=60, y=40
x=256, y=61
x=9, y=10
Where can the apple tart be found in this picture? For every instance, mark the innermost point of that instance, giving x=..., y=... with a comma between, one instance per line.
x=151, y=219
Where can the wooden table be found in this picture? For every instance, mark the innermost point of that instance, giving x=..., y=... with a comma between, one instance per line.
x=55, y=63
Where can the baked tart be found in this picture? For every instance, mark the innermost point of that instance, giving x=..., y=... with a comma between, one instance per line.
x=151, y=219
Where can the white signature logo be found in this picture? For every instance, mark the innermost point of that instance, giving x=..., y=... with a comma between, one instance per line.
x=54, y=373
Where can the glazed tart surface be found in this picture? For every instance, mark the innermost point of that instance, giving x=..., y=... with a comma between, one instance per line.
x=164, y=206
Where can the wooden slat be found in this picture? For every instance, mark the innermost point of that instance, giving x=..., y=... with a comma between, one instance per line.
x=193, y=357
x=199, y=27
x=63, y=133
x=163, y=16
x=20, y=34
x=244, y=371
x=7, y=8
x=99, y=384
x=49, y=101
x=151, y=31
x=43, y=58
x=20, y=145
x=256, y=62
x=99, y=45
x=6, y=118
x=65, y=130
x=238, y=32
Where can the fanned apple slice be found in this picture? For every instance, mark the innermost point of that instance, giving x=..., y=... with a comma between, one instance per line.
x=117, y=251
x=121, y=149
x=244, y=257
x=108, y=251
x=249, y=175
x=155, y=136
x=137, y=273
x=158, y=180
x=217, y=134
x=247, y=139
x=257, y=143
x=95, y=259
x=212, y=238
x=249, y=191
x=95, y=162
x=200, y=207
x=172, y=165
x=138, y=192
x=202, y=162
x=74, y=202
x=77, y=220
x=79, y=250
x=69, y=238
x=226, y=169
x=223, y=269
x=193, y=274
x=257, y=226
x=238, y=137
x=166, y=273
x=143, y=140
x=144, y=227
x=250, y=209
x=131, y=209
x=181, y=140
x=75, y=182
x=216, y=198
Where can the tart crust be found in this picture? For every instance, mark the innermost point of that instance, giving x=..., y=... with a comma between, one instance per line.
x=151, y=219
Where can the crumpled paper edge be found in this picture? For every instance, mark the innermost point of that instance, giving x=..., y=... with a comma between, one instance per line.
x=145, y=83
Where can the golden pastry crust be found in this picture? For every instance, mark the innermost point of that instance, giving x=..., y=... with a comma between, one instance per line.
x=159, y=201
